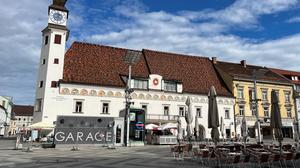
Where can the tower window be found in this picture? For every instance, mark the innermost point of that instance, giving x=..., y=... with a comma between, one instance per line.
x=56, y=61
x=41, y=84
x=43, y=61
x=46, y=40
x=57, y=39
x=38, y=106
x=53, y=84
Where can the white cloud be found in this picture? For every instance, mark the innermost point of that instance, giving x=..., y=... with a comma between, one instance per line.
x=242, y=13
x=179, y=33
x=294, y=20
x=131, y=25
x=20, y=40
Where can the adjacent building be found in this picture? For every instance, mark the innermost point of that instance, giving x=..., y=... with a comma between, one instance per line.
x=5, y=114
x=23, y=117
x=240, y=78
x=89, y=80
x=294, y=77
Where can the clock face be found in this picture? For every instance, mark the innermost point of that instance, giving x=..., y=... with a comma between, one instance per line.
x=58, y=17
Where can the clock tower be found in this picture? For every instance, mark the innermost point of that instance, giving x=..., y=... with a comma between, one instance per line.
x=51, y=64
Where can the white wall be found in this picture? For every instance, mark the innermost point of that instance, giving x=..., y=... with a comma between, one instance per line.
x=64, y=103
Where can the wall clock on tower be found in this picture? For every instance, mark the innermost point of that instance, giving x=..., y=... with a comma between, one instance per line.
x=58, y=17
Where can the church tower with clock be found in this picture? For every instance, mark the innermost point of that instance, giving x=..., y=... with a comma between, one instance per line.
x=54, y=38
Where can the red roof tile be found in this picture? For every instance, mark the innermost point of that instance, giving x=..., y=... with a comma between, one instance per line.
x=99, y=65
x=197, y=74
x=238, y=71
x=22, y=110
x=102, y=65
x=288, y=74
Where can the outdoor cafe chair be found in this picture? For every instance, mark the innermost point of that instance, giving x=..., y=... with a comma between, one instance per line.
x=233, y=161
x=296, y=158
x=275, y=160
x=245, y=162
x=288, y=158
x=176, y=150
x=204, y=157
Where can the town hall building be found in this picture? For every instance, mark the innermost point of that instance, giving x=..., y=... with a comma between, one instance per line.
x=90, y=80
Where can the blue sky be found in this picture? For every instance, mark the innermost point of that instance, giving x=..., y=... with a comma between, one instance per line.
x=265, y=32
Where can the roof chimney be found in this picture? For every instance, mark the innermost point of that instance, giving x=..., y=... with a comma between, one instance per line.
x=214, y=60
x=243, y=62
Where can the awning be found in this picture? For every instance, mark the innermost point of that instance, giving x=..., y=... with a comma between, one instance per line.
x=41, y=125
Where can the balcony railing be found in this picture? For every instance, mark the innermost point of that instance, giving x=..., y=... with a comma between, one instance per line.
x=161, y=117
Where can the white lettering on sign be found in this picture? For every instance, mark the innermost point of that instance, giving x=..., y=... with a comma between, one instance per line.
x=70, y=136
x=108, y=136
x=79, y=136
x=90, y=136
x=61, y=137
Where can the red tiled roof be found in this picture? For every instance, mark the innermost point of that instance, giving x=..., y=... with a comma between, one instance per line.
x=102, y=65
x=22, y=110
x=99, y=65
x=197, y=74
x=238, y=71
x=287, y=74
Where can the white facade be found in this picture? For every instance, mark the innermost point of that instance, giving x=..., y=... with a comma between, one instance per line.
x=51, y=67
x=94, y=97
x=5, y=114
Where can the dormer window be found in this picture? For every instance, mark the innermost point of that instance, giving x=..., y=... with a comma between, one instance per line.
x=170, y=86
x=140, y=84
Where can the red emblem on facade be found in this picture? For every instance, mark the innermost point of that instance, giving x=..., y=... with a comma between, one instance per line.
x=155, y=81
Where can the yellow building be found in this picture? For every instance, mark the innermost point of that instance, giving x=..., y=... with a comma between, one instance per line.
x=239, y=78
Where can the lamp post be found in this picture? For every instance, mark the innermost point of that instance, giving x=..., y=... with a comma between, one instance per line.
x=131, y=58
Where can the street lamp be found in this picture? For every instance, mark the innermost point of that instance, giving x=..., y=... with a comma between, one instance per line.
x=255, y=102
x=131, y=58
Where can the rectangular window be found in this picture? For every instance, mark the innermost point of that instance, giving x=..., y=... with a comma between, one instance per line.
x=57, y=39
x=289, y=113
x=227, y=113
x=198, y=112
x=38, y=105
x=56, y=61
x=43, y=61
x=144, y=107
x=241, y=93
x=251, y=95
x=264, y=95
x=287, y=97
x=140, y=84
x=266, y=111
x=46, y=40
x=170, y=86
x=53, y=84
x=105, y=108
x=166, y=110
x=78, y=106
x=41, y=84
x=242, y=110
x=181, y=111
